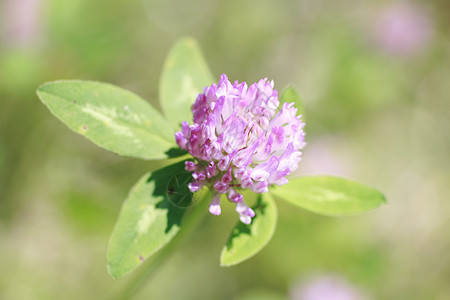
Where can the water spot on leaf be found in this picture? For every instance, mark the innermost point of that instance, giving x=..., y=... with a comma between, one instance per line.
x=147, y=217
x=82, y=129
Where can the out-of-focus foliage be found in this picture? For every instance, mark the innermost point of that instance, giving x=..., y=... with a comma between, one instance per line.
x=184, y=76
x=289, y=95
x=376, y=111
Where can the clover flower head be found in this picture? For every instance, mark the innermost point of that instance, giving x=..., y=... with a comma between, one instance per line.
x=241, y=139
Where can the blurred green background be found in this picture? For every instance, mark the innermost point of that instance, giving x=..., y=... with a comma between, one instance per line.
x=374, y=77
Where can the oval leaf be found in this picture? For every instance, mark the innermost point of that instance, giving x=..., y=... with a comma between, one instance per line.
x=329, y=195
x=247, y=240
x=111, y=117
x=184, y=76
x=150, y=218
x=289, y=95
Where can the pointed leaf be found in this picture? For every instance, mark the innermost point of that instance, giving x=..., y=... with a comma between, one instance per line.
x=247, y=240
x=151, y=216
x=184, y=76
x=289, y=95
x=111, y=117
x=329, y=195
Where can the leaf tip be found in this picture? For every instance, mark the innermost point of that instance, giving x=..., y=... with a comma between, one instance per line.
x=223, y=260
x=40, y=89
x=383, y=199
x=188, y=40
x=112, y=272
x=42, y=85
x=226, y=262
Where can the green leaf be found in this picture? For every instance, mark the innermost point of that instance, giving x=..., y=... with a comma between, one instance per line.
x=289, y=95
x=247, y=240
x=184, y=76
x=329, y=195
x=111, y=117
x=151, y=216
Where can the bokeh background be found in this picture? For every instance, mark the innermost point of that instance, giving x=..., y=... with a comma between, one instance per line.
x=374, y=77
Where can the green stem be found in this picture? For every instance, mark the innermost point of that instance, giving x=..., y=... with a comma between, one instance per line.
x=150, y=266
